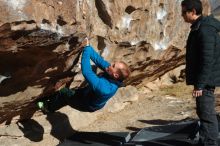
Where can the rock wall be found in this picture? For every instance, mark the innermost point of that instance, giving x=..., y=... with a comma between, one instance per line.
x=39, y=39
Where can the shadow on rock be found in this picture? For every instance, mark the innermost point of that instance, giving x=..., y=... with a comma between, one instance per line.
x=61, y=127
x=133, y=129
x=97, y=138
x=10, y=110
x=31, y=129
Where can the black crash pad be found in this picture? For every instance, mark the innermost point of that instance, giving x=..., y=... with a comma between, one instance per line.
x=175, y=134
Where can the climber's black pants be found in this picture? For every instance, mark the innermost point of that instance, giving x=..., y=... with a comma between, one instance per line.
x=74, y=98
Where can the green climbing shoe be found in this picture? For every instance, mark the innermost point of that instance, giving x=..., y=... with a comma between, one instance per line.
x=43, y=107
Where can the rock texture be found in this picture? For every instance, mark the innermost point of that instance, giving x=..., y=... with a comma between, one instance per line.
x=39, y=39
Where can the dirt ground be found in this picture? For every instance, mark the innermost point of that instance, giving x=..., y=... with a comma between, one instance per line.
x=163, y=106
x=166, y=105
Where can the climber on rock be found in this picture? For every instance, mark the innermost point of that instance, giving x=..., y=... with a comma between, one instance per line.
x=99, y=90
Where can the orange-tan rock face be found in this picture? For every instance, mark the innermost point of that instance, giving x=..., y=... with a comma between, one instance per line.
x=38, y=43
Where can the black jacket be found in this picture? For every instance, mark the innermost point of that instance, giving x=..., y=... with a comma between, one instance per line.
x=203, y=53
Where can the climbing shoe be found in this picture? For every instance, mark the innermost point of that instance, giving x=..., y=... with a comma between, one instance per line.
x=43, y=107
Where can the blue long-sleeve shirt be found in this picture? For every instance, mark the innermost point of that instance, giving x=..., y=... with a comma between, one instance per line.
x=103, y=86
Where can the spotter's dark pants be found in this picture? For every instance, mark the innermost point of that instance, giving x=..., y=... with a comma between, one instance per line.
x=205, y=108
